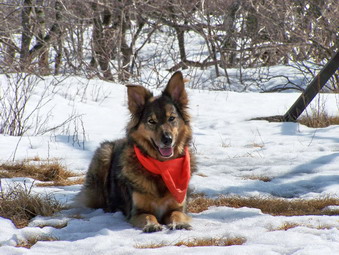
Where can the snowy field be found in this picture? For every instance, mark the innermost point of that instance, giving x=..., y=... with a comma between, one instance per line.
x=300, y=162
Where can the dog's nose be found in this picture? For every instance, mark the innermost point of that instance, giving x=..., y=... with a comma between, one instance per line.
x=166, y=139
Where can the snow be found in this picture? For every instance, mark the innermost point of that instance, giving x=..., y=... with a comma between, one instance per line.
x=301, y=162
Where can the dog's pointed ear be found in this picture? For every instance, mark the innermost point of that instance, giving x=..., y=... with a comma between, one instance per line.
x=176, y=89
x=137, y=98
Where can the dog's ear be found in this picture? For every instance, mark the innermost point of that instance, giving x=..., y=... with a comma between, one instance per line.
x=176, y=89
x=137, y=98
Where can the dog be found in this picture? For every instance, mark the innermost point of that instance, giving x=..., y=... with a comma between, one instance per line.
x=145, y=175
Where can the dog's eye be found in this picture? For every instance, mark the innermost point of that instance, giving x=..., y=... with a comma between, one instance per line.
x=170, y=119
x=152, y=121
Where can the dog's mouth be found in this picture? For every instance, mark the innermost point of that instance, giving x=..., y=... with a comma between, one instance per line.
x=165, y=151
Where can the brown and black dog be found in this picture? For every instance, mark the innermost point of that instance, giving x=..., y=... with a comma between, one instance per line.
x=159, y=131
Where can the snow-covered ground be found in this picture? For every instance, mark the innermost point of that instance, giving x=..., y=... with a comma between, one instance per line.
x=301, y=162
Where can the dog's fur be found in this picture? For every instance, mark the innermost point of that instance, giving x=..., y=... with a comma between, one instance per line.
x=160, y=127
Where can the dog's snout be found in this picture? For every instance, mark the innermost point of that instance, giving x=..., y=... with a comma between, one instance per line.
x=166, y=139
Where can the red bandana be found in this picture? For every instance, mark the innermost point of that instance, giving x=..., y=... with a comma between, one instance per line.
x=176, y=173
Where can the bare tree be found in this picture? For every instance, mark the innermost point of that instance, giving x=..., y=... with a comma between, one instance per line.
x=236, y=33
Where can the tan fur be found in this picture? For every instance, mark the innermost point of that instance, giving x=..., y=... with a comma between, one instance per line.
x=143, y=136
x=165, y=208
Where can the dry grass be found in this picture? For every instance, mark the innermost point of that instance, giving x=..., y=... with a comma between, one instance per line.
x=66, y=182
x=46, y=171
x=58, y=225
x=290, y=225
x=19, y=205
x=319, y=120
x=41, y=171
x=268, y=205
x=287, y=225
x=258, y=178
x=255, y=145
x=201, y=174
x=29, y=243
x=198, y=242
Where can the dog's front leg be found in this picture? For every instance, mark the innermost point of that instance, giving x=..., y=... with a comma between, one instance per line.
x=147, y=222
x=141, y=214
x=178, y=220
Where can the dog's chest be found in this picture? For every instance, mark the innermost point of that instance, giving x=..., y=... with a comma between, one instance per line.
x=160, y=208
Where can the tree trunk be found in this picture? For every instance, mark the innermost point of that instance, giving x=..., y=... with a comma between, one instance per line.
x=213, y=48
x=41, y=33
x=126, y=50
x=54, y=32
x=26, y=35
x=58, y=57
x=313, y=89
x=181, y=42
x=230, y=43
x=10, y=50
x=101, y=53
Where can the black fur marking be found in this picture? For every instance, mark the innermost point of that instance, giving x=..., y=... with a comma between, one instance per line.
x=119, y=195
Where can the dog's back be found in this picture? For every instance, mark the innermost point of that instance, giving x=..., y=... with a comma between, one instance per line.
x=95, y=191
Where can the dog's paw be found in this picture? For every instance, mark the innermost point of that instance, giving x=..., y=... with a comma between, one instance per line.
x=150, y=228
x=179, y=225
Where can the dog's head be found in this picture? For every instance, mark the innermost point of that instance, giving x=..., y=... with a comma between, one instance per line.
x=160, y=125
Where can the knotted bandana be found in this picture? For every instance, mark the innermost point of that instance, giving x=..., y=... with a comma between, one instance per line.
x=176, y=173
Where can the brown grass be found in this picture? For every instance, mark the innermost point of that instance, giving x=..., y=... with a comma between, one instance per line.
x=201, y=174
x=43, y=170
x=289, y=225
x=255, y=145
x=198, y=242
x=19, y=205
x=319, y=120
x=268, y=205
x=58, y=225
x=66, y=182
x=29, y=243
x=39, y=170
x=258, y=178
